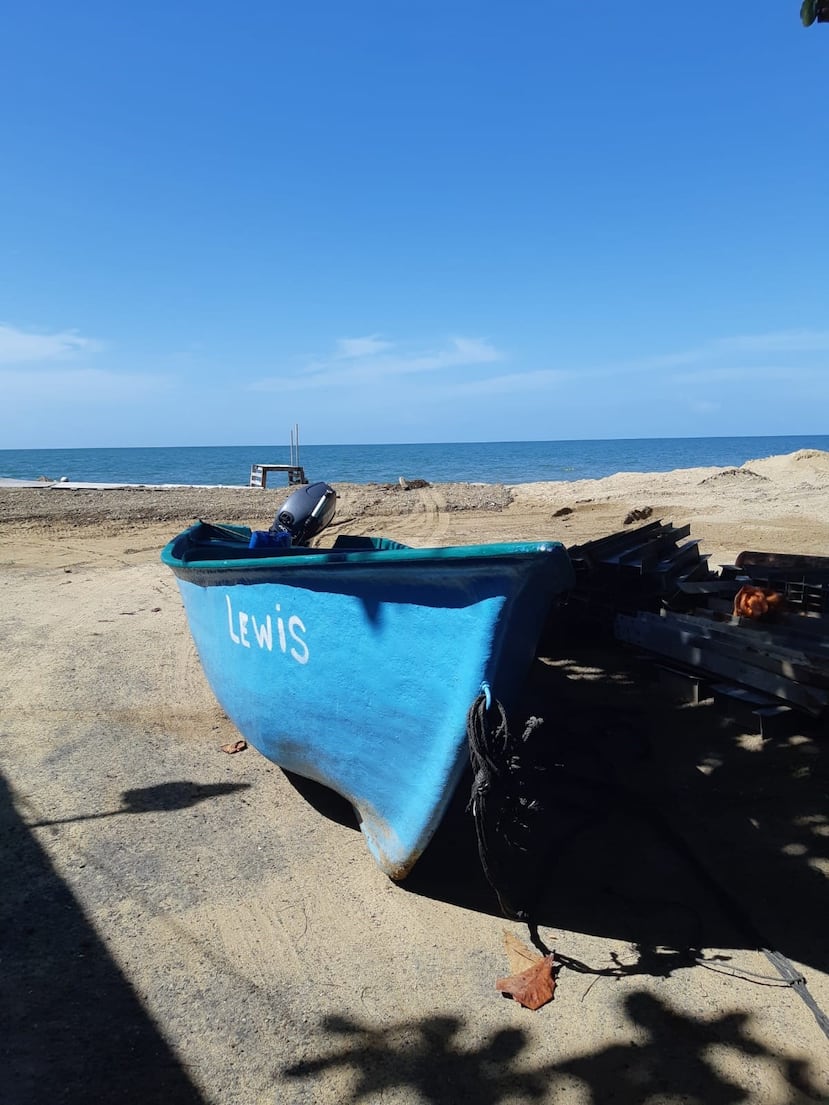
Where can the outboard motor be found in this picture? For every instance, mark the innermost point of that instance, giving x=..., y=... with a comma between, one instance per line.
x=306, y=512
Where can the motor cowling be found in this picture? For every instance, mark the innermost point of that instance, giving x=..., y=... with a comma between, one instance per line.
x=306, y=512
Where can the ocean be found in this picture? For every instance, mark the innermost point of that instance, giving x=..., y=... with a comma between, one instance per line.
x=445, y=462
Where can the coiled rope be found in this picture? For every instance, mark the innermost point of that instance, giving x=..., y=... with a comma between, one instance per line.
x=501, y=806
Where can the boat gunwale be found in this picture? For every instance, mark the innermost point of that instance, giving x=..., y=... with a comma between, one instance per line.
x=332, y=558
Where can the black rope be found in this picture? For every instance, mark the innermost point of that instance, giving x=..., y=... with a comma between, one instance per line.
x=502, y=808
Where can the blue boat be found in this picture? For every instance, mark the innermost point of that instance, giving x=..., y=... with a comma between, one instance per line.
x=356, y=665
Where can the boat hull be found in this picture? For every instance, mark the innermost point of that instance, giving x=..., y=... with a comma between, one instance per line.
x=357, y=669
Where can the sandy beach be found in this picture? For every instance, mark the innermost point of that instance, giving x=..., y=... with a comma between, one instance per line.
x=183, y=925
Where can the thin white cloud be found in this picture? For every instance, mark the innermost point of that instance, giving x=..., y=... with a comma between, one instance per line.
x=475, y=351
x=459, y=352
x=750, y=374
x=740, y=359
x=781, y=341
x=470, y=368
x=536, y=382
x=79, y=386
x=732, y=349
x=375, y=366
x=22, y=346
x=704, y=406
x=362, y=347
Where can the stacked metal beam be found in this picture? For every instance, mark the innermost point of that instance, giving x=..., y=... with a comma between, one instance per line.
x=778, y=659
x=633, y=570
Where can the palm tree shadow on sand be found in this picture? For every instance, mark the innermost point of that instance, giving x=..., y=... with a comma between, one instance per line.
x=659, y=824
x=670, y=1060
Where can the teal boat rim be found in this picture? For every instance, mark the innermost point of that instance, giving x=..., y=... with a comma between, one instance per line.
x=290, y=559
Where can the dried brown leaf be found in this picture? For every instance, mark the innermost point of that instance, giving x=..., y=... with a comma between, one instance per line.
x=531, y=988
x=237, y=746
x=519, y=956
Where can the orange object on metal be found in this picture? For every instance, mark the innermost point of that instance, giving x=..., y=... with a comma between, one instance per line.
x=756, y=602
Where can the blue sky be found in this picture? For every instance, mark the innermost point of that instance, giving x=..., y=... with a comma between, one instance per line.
x=391, y=221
